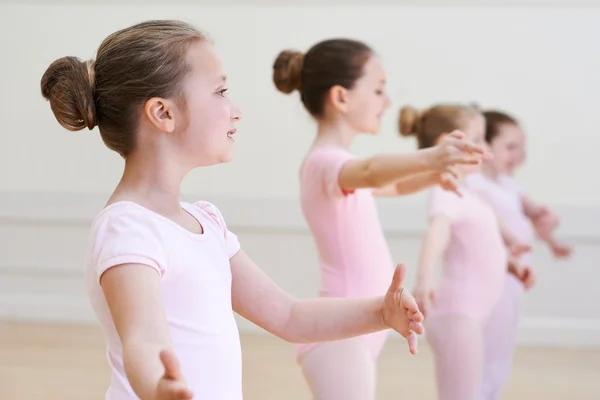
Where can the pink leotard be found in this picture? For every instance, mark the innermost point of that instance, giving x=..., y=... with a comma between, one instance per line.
x=475, y=261
x=354, y=257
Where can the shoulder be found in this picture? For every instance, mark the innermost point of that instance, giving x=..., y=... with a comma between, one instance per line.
x=125, y=232
x=214, y=215
x=123, y=216
x=445, y=202
x=211, y=211
x=327, y=155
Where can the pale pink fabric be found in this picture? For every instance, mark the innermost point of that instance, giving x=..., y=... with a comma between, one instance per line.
x=474, y=264
x=500, y=339
x=344, y=369
x=505, y=196
x=473, y=277
x=196, y=290
x=354, y=257
x=457, y=344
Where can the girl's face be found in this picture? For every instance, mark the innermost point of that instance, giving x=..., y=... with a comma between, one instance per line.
x=209, y=132
x=368, y=99
x=508, y=149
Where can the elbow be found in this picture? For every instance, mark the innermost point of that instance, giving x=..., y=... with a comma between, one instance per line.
x=292, y=331
x=371, y=178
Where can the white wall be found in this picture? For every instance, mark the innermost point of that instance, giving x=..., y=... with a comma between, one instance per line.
x=540, y=63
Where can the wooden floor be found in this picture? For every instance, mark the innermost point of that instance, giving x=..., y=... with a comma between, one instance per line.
x=68, y=363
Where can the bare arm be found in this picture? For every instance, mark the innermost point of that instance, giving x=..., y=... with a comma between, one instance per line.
x=434, y=245
x=257, y=298
x=140, y=321
x=409, y=185
x=387, y=169
x=532, y=209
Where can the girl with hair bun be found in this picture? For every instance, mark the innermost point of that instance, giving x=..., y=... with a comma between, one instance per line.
x=164, y=277
x=342, y=85
x=522, y=219
x=463, y=234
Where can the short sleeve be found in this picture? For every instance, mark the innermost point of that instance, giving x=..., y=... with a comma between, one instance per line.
x=232, y=244
x=123, y=236
x=444, y=202
x=324, y=166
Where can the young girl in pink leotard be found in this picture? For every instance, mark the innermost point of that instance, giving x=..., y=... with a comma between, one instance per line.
x=522, y=218
x=464, y=234
x=342, y=85
x=164, y=277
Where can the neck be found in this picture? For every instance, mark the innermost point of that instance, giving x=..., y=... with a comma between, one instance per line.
x=152, y=181
x=336, y=133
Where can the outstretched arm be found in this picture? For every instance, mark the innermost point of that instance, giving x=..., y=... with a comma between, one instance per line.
x=545, y=223
x=256, y=297
x=409, y=185
x=140, y=321
x=389, y=169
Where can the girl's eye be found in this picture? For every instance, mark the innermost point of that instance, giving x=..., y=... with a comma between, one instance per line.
x=379, y=92
x=222, y=92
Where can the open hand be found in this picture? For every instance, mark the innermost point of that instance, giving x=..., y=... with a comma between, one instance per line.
x=400, y=311
x=561, y=250
x=172, y=386
x=523, y=273
x=453, y=149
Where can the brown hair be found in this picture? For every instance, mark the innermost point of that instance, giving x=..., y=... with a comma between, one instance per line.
x=430, y=124
x=494, y=120
x=132, y=66
x=327, y=64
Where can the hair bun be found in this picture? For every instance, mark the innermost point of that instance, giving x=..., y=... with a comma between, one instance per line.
x=287, y=71
x=69, y=85
x=409, y=121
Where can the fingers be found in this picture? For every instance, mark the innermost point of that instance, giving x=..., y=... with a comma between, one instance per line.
x=416, y=327
x=457, y=134
x=409, y=304
x=398, y=278
x=177, y=391
x=451, y=172
x=468, y=147
x=450, y=183
x=416, y=316
x=413, y=343
x=465, y=159
x=171, y=365
x=182, y=393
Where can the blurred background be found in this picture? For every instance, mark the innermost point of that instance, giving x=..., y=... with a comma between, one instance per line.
x=538, y=60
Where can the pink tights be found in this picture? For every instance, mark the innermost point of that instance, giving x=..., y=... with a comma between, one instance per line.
x=473, y=359
x=342, y=369
x=500, y=340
